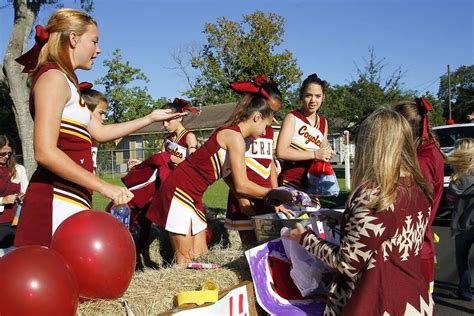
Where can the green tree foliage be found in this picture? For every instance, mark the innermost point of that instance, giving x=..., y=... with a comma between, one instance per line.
x=125, y=103
x=462, y=93
x=25, y=13
x=346, y=106
x=7, y=116
x=240, y=51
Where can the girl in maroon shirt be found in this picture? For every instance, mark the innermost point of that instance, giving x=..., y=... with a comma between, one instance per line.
x=177, y=206
x=431, y=160
x=378, y=259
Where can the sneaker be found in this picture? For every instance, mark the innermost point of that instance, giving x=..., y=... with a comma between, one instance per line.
x=455, y=294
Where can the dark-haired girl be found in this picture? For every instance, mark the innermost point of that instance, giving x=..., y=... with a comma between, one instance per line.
x=260, y=169
x=13, y=184
x=179, y=141
x=178, y=207
x=303, y=137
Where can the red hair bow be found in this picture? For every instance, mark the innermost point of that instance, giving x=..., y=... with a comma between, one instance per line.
x=30, y=58
x=244, y=87
x=85, y=85
x=184, y=104
x=426, y=107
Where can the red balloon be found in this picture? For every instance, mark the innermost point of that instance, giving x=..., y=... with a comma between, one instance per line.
x=100, y=251
x=35, y=280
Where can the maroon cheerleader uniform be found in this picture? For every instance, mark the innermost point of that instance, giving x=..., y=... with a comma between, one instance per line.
x=258, y=159
x=178, y=202
x=177, y=147
x=51, y=199
x=306, y=137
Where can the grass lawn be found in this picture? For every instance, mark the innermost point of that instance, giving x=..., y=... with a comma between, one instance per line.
x=216, y=195
x=99, y=202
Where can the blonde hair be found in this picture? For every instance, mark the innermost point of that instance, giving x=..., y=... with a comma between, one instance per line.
x=56, y=50
x=385, y=149
x=461, y=159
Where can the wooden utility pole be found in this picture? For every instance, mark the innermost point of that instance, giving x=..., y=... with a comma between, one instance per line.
x=347, y=160
x=449, y=96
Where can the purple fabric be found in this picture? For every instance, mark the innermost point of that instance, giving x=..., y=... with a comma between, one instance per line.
x=268, y=299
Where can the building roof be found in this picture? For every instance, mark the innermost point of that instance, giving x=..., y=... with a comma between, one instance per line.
x=211, y=117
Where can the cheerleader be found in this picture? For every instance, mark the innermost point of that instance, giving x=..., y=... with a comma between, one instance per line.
x=260, y=169
x=303, y=137
x=177, y=206
x=179, y=141
x=97, y=103
x=64, y=128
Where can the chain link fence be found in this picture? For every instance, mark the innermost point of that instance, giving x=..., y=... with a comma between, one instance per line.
x=114, y=161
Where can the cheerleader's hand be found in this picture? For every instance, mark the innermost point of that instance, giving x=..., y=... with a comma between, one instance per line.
x=247, y=207
x=163, y=115
x=9, y=199
x=132, y=163
x=282, y=209
x=296, y=233
x=118, y=195
x=325, y=153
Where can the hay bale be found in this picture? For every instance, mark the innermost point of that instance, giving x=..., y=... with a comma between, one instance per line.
x=153, y=291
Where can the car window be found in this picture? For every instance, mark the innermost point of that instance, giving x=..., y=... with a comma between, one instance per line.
x=447, y=136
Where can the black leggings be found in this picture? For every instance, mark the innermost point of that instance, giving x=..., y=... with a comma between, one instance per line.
x=7, y=235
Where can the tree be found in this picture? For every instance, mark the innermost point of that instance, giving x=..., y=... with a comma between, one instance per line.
x=346, y=106
x=7, y=117
x=125, y=103
x=462, y=92
x=241, y=51
x=25, y=14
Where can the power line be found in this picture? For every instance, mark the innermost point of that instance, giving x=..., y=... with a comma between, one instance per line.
x=427, y=83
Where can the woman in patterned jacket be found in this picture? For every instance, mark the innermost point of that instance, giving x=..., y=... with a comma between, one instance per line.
x=378, y=260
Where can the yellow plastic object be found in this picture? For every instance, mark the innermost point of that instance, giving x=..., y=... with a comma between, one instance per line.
x=305, y=215
x=209, y=293
x=435, y=238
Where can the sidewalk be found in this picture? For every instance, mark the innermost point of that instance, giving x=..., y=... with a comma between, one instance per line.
x=446, y=277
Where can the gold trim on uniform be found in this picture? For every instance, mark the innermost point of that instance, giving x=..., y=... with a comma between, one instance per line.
x=297, y=147
x=239, y=224
x=184, y=198
x=217, y=164
x=74, y=191
x=75, y=128
x=79, y=124
x=178, y=137
x=258, y=168
x=69, y=200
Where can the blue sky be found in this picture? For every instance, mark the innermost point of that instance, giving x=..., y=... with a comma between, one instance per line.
x=326, y=36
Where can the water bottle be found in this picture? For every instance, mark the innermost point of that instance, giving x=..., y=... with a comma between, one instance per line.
x=122, y=213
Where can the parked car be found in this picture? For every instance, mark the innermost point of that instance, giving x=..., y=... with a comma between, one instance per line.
x=447, y=135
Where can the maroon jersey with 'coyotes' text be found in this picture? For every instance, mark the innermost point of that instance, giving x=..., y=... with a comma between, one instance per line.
x=306, y=137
